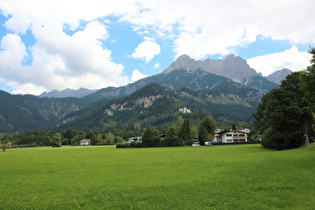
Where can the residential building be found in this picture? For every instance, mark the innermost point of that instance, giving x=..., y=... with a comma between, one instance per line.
x=84, y=142
x=232, y=136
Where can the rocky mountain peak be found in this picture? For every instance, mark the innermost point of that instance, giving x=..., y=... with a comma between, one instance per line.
x=183, y=62
x=233, y=67
x=277, y=76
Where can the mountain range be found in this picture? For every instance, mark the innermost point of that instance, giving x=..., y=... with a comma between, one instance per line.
x=227, y=88
x=232, y=67
x=154, y=105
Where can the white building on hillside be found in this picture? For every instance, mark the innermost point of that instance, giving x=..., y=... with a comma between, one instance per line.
x=184, y=110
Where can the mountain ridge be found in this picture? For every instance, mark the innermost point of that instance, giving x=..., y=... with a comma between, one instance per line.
x=226, y=99
x=155, y=105
x=279, y=75
x=80, y=93
x=190, y=68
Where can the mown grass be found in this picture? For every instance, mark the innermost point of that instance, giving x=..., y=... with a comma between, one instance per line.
x=214, y=177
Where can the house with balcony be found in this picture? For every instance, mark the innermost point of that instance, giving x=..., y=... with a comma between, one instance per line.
x=231, y=136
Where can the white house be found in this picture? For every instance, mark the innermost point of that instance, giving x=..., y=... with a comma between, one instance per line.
x=137, y=138
x=232, y=136
x=85, y=142
x=185, y=110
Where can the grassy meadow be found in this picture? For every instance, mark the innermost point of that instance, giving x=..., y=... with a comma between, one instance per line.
x=103, y=177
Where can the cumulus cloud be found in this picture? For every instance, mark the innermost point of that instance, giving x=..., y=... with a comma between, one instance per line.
x=146, y=50
x=197, y=28
x=137, y=75
x=157, y=65
x=202, y=28
x=60, y=61
x=291, y=59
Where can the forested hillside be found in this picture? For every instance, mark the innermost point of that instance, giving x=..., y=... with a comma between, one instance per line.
x=154, y=105
x=27, y=112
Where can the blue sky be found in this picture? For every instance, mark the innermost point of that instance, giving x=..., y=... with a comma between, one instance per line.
x=96, y=44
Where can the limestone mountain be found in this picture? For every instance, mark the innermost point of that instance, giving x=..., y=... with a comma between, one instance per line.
x=195, y=75
x=278, y=76
x=80, y=93
x=232, y=67
x=178, y=78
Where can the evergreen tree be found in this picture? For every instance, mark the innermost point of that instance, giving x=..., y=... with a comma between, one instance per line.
x=202, y=135
x=171, y=138
x=147, y=138
x=184, y=132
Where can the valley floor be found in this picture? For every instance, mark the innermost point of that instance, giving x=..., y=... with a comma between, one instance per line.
x=103, y=177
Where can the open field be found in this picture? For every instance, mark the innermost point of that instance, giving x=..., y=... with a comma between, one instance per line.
x=214, y=177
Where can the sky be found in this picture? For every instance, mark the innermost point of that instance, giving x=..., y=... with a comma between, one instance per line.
x=54, y=45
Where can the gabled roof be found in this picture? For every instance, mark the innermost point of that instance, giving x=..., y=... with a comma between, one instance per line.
x=226, y=131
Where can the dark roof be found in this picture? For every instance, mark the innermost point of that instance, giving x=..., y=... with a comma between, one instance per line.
x=226, y=131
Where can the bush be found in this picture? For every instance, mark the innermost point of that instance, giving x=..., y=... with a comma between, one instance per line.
x=281, y=140
x=138, y=144
x=188, y=142
x=132, y=144
x=9, y=144
x=4, y=147
x=122, y=145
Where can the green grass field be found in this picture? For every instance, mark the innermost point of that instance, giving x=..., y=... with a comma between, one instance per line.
x=103, y=177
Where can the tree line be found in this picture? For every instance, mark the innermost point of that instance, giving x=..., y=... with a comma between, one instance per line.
x=179, y=134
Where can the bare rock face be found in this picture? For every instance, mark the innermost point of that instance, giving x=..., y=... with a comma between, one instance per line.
x=183, y=62
x=232, y=67
x=278, y=76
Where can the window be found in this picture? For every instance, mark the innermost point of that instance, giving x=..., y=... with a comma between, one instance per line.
x=228, y=135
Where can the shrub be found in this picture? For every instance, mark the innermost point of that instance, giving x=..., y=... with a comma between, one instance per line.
x=281, y=140
x=132, y=144
x=188, y=142
x=4, y=147
x=9, y=144
x=122, y=145
x=138, y=144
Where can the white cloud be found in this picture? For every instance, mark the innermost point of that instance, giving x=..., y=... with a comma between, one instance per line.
x=137, y=75
x=197, y=28
x=60, y=61
x=157, y=65
x=291, y=59
x=146, y=50
x=200, y=28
